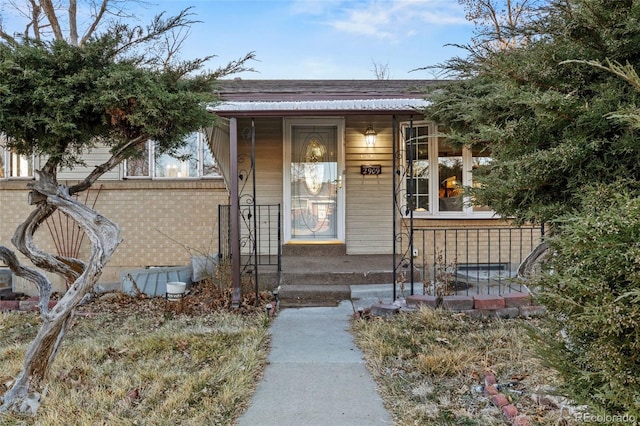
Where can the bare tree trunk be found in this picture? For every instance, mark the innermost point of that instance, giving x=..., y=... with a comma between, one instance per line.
x=531, y=264
x=25, y=394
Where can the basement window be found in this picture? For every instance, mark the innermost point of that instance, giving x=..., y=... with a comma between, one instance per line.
x=484, y=271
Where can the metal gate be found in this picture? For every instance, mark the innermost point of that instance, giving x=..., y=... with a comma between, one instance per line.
x=260, y=238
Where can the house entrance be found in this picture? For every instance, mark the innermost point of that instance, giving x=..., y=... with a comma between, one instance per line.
x=314, y=184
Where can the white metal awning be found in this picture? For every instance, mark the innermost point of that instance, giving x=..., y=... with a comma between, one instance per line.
x=354, y=105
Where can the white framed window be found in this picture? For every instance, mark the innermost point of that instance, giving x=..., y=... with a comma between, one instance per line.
x=14, y=166
x=436, y=173
x=194, y=160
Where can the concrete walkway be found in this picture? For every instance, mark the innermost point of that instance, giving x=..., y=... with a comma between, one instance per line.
x=316, y=374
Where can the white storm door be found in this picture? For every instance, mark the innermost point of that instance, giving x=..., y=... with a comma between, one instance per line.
x=314, y=180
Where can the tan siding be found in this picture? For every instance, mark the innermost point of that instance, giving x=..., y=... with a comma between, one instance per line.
x=268, y=138
x=97, y=156
x=218, y=139
x=369, y=205
x=268, y=157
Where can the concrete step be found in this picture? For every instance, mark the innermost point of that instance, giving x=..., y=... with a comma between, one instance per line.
x=296, y=296
x=336, y=278
x=363, y=295
x=315, y=250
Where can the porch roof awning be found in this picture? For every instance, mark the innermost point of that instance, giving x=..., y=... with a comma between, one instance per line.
x=255, y=108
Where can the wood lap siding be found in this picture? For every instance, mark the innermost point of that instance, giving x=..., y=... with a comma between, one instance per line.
x=218, y=140
x=269, y=177
x=97, y=156
x=268, y=159
x=369, y=209
x=368, y=198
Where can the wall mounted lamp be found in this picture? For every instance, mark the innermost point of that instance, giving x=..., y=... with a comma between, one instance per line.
x=370, y=136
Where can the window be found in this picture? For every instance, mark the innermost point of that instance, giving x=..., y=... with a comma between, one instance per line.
x=13, y=165
x=139, y=167
x=194, y=160
x=186, y=165
x=437, y=173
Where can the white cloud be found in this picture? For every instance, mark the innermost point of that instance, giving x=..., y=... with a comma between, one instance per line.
x=393, y=19
x=372, y=21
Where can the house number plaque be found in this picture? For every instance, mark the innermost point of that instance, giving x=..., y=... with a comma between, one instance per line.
x=371, y=169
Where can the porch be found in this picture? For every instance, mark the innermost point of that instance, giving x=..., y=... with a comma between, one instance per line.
x=445, y=261
x=316, y=207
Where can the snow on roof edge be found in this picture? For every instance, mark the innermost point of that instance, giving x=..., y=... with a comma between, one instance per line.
x=326, y=105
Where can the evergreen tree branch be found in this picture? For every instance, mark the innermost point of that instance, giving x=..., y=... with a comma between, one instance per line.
x=116, y=158
x=626, y=72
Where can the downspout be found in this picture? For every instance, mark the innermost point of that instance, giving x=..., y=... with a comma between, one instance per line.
x=234, y=213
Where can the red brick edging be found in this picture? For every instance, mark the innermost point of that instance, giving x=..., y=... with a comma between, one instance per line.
x=509, y=305
x=509, y=411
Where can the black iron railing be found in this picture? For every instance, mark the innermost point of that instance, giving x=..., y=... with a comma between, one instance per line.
x=260, y=235
x=469, y=261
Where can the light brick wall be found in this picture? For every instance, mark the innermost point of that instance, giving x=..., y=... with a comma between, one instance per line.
x=161, y=222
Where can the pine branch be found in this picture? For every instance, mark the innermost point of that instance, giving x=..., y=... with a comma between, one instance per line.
x=626, y=72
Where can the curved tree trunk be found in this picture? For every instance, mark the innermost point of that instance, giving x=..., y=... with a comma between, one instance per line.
x=24, y=395
x=531, y=264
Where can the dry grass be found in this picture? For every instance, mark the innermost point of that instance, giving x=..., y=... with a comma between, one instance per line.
x=430, y=367
x=143, y=365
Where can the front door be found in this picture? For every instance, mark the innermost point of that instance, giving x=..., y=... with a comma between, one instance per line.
x=314, y=185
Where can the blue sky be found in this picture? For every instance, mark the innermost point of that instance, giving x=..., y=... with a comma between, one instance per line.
x=314, y=39
x=326, y=39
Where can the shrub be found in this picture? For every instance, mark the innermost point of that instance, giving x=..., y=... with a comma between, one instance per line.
x=592, y=292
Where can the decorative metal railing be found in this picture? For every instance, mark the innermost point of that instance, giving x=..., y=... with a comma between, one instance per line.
x=448, y=260
x=260, y=239
x=469, y=261
x=251, y=229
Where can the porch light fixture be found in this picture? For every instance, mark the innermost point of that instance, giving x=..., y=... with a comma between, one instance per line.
x=370, y=136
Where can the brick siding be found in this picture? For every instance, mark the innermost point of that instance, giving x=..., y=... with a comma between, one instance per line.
x=157, y=220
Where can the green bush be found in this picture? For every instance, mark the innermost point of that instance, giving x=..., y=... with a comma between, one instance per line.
x=592, y=292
